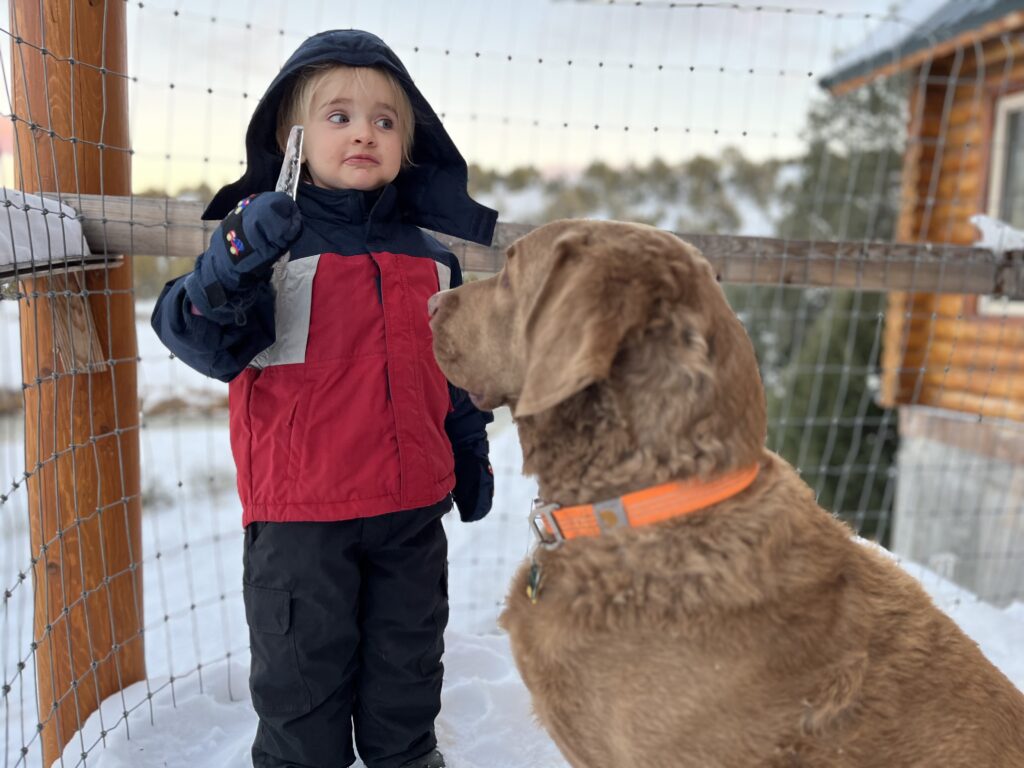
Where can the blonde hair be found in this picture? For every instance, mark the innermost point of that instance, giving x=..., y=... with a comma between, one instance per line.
x=295, y=108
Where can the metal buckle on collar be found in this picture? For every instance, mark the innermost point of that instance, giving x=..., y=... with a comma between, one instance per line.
x=549, y=537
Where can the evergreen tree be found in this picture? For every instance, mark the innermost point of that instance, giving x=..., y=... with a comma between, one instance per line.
x=823, y=417
x=821, y=407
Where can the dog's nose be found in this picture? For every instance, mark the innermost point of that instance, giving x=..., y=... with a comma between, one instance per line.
x=434, y=303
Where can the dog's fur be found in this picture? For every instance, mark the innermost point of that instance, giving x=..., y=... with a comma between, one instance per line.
x=756, y=633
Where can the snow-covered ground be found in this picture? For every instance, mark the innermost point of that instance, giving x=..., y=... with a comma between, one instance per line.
x=531, y=205
x=193, y=709
x=195, y=629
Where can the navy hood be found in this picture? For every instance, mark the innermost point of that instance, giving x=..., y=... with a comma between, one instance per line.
x=431, y=193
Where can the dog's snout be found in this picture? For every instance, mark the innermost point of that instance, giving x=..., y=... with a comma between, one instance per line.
x=435, y=301
x=433, y=304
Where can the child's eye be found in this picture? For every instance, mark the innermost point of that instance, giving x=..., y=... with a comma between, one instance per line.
x=386, y=123
x=337, y=117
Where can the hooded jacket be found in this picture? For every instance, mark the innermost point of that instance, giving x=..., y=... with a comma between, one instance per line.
x=337, y=407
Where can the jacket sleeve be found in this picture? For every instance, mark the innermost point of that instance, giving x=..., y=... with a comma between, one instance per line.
x=474, y=477
x=220, y=351
x=219, y=316
x=466, y=426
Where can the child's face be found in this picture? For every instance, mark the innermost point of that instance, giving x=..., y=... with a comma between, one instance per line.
x=352, y=138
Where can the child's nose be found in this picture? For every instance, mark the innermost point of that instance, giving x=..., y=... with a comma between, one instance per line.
x=364, y=132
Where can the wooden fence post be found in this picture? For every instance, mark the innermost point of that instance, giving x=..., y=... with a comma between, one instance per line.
x=68, y=60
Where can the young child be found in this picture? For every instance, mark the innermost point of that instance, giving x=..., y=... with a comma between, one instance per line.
x=347, y=438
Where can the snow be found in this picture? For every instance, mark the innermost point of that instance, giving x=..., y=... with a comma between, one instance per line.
x=893, y=29
x=533, y=202
x=159, y=381
x=910, y=17
x=997, y=235
x=36, y=230
x=485, y=718
x=755, y=221
x=193, y=710
x=525, y=205
x=10, y=346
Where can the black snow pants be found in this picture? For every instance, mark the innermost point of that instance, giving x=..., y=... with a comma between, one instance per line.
x=346, y=622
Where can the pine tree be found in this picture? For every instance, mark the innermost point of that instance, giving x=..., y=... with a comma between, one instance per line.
x=822, y=404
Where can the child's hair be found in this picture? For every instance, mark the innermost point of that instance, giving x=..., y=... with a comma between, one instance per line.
x=295, y=107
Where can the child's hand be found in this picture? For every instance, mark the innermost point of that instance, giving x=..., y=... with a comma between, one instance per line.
x=241, y=256
x=257, y=233
x=474, y=486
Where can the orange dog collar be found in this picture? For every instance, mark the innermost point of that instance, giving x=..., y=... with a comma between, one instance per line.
x=553, y=524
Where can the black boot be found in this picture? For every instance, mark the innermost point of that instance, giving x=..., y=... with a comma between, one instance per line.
x=432, y=759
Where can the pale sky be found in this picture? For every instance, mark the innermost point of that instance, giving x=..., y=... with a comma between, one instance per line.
x=704, y=77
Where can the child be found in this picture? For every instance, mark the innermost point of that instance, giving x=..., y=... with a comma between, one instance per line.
x=346, y=436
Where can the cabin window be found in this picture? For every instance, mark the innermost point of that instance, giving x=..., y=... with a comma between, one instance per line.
x=1006, y=189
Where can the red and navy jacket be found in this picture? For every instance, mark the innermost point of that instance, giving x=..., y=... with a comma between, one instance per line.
x=337, y=407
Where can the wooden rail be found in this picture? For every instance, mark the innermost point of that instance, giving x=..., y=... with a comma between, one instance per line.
x=165, y=227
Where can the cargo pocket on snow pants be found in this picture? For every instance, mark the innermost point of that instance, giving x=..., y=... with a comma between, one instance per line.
x=274, y=678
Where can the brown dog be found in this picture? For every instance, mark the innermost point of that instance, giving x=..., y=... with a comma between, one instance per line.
x=753, y=632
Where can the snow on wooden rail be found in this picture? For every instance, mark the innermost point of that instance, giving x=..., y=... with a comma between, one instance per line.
x=167, y=227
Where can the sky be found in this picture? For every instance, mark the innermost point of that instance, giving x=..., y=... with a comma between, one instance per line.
x=555, y=84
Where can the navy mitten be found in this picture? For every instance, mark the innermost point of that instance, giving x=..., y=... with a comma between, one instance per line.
x=474, y=486
x=241, y=256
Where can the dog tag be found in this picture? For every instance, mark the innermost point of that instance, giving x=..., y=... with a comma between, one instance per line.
x=533, y=582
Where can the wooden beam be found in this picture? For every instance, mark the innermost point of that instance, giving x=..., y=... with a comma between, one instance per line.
x=160, y=227
x=882, y=267
x=78, y=362
x=29, y=270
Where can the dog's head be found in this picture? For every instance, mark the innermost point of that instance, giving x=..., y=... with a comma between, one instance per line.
x=624, y=311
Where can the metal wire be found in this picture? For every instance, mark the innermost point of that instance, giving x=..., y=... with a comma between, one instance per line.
x=650, y=111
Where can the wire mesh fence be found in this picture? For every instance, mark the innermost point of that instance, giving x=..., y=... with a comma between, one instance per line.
x=840, y=222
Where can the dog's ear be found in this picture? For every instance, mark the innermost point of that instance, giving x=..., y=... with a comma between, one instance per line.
x=586, y=305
